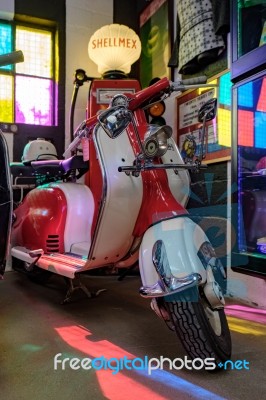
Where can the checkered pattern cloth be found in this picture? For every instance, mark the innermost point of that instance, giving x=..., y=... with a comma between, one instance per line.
x=195, y=31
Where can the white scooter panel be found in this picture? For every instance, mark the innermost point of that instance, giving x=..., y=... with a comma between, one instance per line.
x=121, y=200
x=182, y=239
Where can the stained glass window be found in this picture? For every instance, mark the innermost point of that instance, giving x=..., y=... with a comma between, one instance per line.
x=26, y=95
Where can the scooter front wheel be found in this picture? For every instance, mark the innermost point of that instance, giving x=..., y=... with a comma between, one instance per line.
x=203, y=332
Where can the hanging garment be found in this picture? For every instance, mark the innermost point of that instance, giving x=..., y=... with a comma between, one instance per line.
x=199, y=30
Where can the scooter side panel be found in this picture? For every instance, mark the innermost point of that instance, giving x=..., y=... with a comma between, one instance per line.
x=54, y=218
x=182, y=239
x=40, y=220
x=121, y=201
x=80, y=211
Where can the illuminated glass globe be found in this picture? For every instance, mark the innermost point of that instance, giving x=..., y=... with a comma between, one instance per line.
x=114, y=48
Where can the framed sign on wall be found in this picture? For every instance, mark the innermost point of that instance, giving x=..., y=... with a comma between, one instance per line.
x=156, y=24
x=218, y=141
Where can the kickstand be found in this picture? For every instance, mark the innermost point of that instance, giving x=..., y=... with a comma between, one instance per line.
x=79, y=286
x=127, y=271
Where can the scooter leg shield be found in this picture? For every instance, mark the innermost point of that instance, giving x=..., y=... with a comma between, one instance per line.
x=172, y=257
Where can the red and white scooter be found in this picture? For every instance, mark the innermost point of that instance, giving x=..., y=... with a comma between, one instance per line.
x=137, y=214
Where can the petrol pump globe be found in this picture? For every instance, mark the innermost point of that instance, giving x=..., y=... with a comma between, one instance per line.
x=114, y=47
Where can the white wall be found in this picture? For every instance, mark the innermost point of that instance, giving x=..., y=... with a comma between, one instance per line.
x=7, y=8
x=83, y=18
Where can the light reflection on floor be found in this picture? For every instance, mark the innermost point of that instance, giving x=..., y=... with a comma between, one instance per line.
x=246, y=320
x=131, y=385
x=121, y=386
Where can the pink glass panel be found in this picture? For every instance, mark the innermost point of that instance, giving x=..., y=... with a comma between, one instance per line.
x=33, y=103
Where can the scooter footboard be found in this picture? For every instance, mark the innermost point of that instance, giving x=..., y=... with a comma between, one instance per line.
x=172, y=257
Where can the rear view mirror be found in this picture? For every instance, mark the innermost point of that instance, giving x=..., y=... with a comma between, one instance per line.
x=114, y=120
x=208, y=111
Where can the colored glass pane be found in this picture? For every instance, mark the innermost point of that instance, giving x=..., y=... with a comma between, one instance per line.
x=224, y=118
x=36, y=45
x=261, y=106
x=245, y=95
x=5, y=41
x=260, y=129
x=225, y=89
x=6, y=98
x=34, y=100
x=245, y=128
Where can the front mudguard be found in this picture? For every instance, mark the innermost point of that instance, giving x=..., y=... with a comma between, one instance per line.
x=175, y=254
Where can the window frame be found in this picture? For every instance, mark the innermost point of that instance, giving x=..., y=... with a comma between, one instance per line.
x=13, y=73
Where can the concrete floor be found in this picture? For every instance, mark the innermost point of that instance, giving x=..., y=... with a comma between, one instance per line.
x=35, y=327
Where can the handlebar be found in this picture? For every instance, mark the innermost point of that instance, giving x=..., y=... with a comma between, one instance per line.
x=80, y=132
x=194, y=81
x=141, y=99
x=11, y=58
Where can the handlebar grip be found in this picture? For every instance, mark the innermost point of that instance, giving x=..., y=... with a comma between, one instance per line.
x=11, y=58
x=195, y=81
x=73, y=145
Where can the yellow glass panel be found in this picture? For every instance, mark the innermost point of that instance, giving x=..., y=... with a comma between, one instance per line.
x=224, y=127
x=213, y=82
x=6, y=98
x=36, y=45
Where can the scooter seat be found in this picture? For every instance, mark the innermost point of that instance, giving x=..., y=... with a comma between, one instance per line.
x=27, y=173
x=20, y=169
x=60, y=167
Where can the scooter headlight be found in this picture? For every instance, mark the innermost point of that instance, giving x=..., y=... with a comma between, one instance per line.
x=156, y=140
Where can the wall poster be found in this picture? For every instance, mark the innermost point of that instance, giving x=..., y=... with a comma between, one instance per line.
x=218, y=143
x=156, y=23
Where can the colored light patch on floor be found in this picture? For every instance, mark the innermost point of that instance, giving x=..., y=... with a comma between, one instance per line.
x=121, y=386
x=244, y=327
x=247, y=313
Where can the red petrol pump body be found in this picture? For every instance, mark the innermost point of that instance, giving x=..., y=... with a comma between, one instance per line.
x=100, y=93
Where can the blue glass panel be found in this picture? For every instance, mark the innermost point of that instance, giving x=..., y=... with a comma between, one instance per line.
x=225, y=89
x=245, y=95
x=5, y=41
x=260, y=129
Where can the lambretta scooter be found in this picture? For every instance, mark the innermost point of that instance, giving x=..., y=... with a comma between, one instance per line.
x=64, y=228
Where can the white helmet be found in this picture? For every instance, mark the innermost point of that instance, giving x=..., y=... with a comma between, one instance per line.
x=39, y=149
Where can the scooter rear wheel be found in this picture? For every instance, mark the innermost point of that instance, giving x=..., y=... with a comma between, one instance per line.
x=203, y=332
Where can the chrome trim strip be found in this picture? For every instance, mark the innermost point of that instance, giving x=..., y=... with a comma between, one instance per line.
x=104, y=192
x=177, y=286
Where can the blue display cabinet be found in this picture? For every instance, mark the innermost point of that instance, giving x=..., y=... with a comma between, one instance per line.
x=248, y=73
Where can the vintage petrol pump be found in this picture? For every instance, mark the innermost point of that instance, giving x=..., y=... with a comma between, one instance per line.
x=114, y=48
